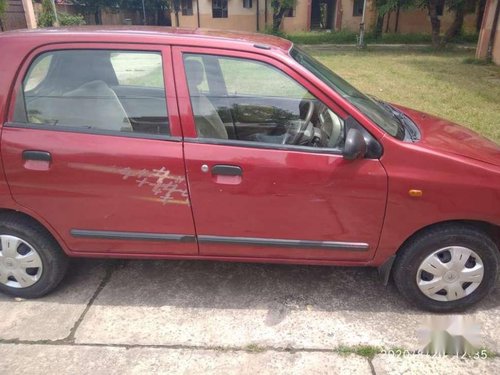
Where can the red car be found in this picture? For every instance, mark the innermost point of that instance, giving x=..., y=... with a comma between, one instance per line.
x=190, y=144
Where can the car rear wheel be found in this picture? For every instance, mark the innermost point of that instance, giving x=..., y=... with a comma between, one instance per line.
x=31, y=261
x=447, y=268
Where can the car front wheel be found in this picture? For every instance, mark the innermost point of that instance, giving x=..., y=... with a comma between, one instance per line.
x=447, y=268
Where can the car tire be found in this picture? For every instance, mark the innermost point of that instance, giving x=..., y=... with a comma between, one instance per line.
x=31, y=261
x=462, y=261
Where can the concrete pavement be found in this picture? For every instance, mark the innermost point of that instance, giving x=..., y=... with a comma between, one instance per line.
x=211, y=317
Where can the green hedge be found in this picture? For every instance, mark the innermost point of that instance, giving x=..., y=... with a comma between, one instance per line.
x=66, y=19
x=349, y=37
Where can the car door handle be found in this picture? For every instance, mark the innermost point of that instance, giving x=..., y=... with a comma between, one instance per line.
x=226, y=170
x=35, y=160
x=37, y=155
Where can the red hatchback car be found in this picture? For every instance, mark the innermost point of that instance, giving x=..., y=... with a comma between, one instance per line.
x=192, y=144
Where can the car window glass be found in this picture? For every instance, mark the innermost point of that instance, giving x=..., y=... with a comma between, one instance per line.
x=203, y=85
x=246, y=77
x=38, y=72
x=102, y=90
x=138, y=69
x=259, y=104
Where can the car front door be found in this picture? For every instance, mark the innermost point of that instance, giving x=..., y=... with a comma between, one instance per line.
x=259, y=189
x=94, y=149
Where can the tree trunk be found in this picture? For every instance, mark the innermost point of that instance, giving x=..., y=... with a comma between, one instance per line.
x=97, y=16
x=396, y=27
x=456, y=26
x=480, y=14
x=379, y=25
x=435, y=22
x=1, y=25
x=162, y=19
x=388, y=22
x=277, y=19
x=278, y=13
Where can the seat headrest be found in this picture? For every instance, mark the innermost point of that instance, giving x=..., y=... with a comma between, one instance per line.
x=194, y=73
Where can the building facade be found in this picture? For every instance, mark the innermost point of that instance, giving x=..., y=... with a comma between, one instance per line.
x=307, y=15
x=255, y=15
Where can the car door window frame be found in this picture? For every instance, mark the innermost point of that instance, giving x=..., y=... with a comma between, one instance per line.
x=165, y=52
x=185, y=108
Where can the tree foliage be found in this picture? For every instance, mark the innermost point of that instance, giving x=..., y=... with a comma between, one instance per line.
x=158, y=8
x=459, y=8
x=94, y=7
x=151, y=5
x=386, y=6
x=46, y=18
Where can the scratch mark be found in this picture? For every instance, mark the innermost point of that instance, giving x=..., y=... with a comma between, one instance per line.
x=166, y=187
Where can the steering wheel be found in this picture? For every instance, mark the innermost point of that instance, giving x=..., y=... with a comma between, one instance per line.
x=295, y=139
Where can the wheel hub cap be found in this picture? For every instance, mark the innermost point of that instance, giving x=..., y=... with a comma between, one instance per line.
x=20, y=264
x=450, y=276
x=450, y=273
x=9, y=263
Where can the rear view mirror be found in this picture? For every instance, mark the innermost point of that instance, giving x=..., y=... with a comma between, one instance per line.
x=355, y=145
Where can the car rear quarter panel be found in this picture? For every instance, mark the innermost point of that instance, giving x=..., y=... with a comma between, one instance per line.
x=453, y=188
x=12, y=55
x=17, y=49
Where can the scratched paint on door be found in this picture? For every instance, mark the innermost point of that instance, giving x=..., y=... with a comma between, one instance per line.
x=166, y=188
x=169, y=188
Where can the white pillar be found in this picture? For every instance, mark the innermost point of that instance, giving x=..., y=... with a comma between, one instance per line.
x=29, y=13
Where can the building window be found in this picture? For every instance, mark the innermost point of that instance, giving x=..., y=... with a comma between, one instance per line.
x=357, y=10
x=219, y=8
x=247, y=4
x=290, y=12
x=187, y=7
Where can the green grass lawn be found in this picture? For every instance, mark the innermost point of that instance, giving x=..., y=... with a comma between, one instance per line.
x=437, y=83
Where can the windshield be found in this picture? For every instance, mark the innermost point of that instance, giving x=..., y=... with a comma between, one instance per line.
x=368, y=106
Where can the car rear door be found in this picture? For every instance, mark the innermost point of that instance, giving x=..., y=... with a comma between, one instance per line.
x=93, y=146
x=255, y=197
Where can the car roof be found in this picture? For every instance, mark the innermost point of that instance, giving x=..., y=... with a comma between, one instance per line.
x=148, y=34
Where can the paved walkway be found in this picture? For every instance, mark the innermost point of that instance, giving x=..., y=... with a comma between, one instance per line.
x=209, y=317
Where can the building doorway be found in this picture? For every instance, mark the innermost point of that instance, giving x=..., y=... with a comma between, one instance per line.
x=323, y=14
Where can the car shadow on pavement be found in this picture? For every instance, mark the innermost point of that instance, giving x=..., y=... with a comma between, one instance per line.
x=226, y=285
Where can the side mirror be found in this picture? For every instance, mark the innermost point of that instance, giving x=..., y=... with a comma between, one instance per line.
x=355, y=145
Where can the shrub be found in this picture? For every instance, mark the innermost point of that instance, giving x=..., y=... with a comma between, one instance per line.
x=46, y=17
x=66, y=19
x=318, y=37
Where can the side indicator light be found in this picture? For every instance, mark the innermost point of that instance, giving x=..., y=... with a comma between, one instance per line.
x=414, y=193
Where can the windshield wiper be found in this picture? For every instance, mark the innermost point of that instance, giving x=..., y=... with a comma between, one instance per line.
x=397, y=115
x=406, y=122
